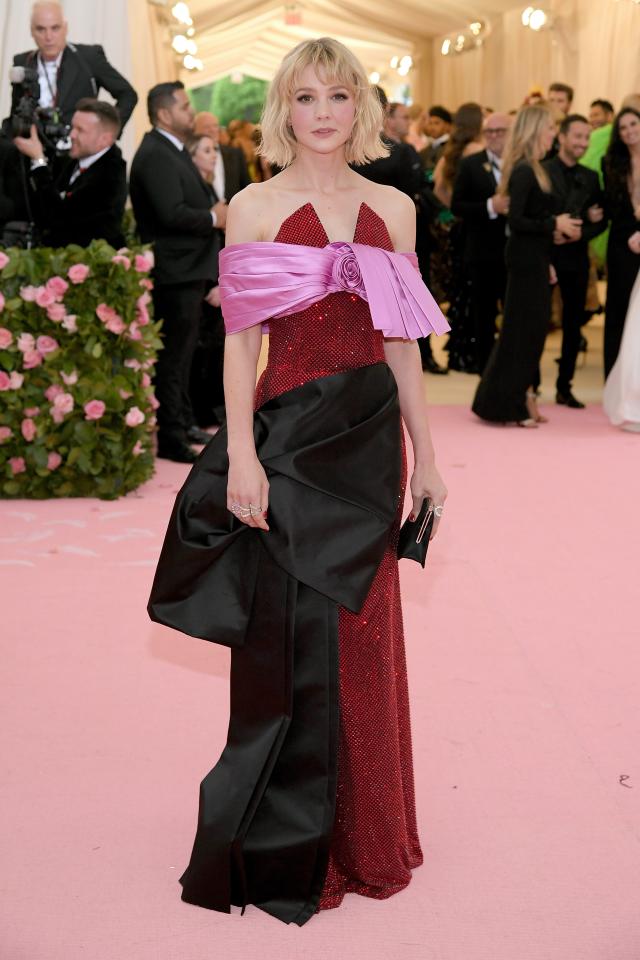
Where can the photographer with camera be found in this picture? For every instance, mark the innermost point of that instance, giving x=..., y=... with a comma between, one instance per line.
x=49, y=82
x=86, y=200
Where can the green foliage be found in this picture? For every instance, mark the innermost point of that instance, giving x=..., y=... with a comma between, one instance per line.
x=75, y=372
x=231, y=101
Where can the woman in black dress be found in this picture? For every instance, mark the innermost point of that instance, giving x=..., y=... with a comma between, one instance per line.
x=621, y=168
x=505, y=393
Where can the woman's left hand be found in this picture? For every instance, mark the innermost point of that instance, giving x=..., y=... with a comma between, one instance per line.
x=634, y=242
x=427, y=482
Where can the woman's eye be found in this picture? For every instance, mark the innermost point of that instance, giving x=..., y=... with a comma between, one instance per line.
x=304, y=98
x=340, y=96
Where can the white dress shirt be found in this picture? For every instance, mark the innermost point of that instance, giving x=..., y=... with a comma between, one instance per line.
x=496, y=167
x=85, y=163
x=218, y=175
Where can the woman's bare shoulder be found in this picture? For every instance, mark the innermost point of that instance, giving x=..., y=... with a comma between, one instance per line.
x=248, y=213
x=398, y=212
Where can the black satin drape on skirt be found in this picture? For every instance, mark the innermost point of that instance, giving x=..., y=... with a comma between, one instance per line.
x=332, y=452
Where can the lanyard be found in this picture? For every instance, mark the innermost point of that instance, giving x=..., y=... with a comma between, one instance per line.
x=54, y=93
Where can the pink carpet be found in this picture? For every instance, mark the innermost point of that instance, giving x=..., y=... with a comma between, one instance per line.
x=523, y=640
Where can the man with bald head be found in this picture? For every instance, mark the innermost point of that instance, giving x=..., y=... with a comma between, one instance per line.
x=477, y=202
x=231, y=173
x=69, y=72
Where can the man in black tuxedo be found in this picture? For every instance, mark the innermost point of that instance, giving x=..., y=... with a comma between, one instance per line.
x=483, y=210
x=576, y=191
x=86, y=200
x=69, y=72
x=172, y=206
x=231, y=174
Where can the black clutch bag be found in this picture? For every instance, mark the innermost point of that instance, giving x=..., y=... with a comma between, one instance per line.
x=413, y=541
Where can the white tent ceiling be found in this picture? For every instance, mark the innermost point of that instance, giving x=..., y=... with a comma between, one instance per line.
x=251, y=37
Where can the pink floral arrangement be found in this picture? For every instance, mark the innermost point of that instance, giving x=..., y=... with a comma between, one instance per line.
x=77, y=346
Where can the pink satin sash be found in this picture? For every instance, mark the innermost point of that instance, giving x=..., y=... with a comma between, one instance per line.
x=260, y=281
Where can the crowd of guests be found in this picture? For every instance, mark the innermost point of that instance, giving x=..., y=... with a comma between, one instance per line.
x=507, y=206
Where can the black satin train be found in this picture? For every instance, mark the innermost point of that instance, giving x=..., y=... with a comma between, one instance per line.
x=332, y=453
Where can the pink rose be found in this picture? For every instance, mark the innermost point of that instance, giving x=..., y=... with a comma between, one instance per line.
x=125, y=394
x=6, y=338
x=134, y=417
x=28, y=294
x=2, y=302
x=63, y=402
x=4, y=260
x=53, y=461
x=57, y=286
x=122, y=260
x=53, y=391
x=28, y=429
x=69, y=378
x=144, y=262
x=25, y=342
x=44, y=297
x=5, y=433
x=146, y=283
x=105, y=312
x=31, y=359
x=133, y=364
x=116, y=325
x=32, y=411
x=154, y=403
x=145, y=380
x=56, y=312
x=17, y=379
x=69, y=323
x=137, y=448
x=17, y=465
x=46, y=345
x=345, y=272
x=5, y=381
x=94, y=409
x=134, y=331
x=78, y=273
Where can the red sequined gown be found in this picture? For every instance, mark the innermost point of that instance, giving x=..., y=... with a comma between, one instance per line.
x=375, y=842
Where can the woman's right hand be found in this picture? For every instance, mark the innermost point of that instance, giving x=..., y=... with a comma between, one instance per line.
x=248, y=488
x=634, y=242
x=569, y=226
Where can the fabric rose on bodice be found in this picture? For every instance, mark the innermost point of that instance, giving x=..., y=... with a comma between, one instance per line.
x=345, y=271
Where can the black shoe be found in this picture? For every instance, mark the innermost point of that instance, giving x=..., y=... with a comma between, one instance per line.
x=568, y=400
x=430, y=365
x=196, y=435
x=584, y=345
x=178, y=452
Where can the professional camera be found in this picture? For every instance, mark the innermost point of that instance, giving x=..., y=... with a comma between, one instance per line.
x=53, y=133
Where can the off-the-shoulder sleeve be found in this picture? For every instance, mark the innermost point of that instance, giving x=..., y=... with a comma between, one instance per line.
x=261, y=281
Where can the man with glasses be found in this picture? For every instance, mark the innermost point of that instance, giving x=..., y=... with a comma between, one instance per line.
x=477, y=202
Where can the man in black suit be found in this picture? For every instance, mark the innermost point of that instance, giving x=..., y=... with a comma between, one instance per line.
x=231, y=174
x=69, y=72
x=576, y=191
x=172, y=206
x=86, y=200
x=477, y=202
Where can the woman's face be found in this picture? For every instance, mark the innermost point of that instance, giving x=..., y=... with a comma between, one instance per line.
x=629, y=129
x=545, y=141
x=204, y=157
x=321, y=114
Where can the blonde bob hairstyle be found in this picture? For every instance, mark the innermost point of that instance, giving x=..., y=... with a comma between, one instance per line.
x=333, y=63
x=522, y=145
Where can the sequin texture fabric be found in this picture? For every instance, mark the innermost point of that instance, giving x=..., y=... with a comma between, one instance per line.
x=375, y=841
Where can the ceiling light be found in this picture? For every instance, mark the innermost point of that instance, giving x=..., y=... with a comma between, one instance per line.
x=180, y=44
x=537, y=19
x=393, y=63
x=181, y=13
x=374, y=77
x=446, y=47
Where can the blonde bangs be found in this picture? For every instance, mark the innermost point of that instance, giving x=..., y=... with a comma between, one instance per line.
x=333, y=63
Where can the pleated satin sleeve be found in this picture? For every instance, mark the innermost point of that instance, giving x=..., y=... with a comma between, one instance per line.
x=262, y=281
